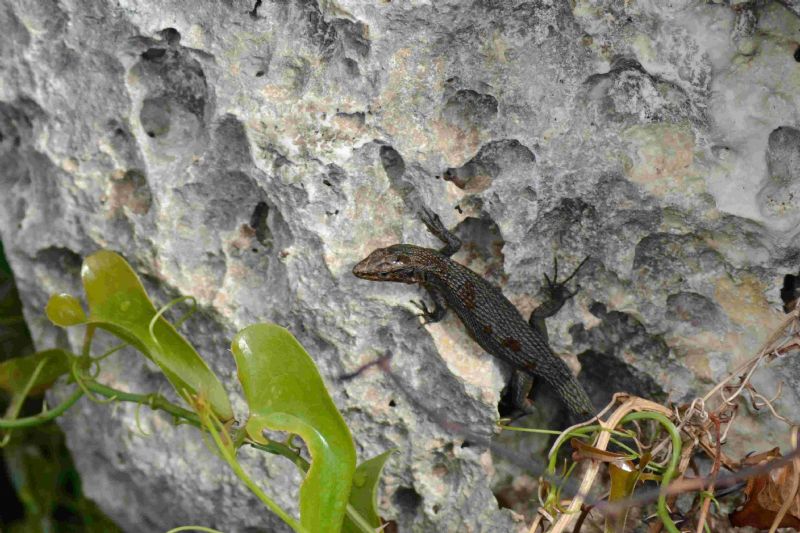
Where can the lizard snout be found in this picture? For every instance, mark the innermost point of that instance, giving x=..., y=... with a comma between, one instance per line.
x=385, y=264
x=368, y=268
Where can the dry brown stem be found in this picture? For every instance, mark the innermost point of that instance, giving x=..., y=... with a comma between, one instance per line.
x=714, y=471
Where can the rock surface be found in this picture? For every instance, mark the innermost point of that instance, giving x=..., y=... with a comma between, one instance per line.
x=249, y=153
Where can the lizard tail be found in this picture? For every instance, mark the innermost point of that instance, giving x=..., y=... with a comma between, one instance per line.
x=574, y=396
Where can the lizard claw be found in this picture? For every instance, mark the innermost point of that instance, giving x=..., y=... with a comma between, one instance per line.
x=577, y=268
x=419, y=304
x=554, y=285
x=425, y=315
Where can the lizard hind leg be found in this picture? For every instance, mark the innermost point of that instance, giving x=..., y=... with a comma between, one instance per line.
x=515, y=400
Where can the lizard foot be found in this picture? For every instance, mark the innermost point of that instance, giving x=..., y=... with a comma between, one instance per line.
x=429, y=316
x=512, y=411
x=557, y=292
x=436, y=227
x=431, y=221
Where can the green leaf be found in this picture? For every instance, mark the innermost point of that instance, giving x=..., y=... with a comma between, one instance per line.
x=285, y=392
x=15, y=373
x=364, y=494
x=119, y=304
x=65, y=310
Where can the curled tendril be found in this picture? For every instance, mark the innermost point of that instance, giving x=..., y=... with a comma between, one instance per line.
x=189, y=313
x=290, y=442
x=109, y=352
x=167, y=307
x=79, y=380
x=94, y=369
x=194, y=528
x=138, y=421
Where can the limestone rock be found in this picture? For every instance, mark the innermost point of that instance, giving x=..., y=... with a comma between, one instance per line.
x=249, y=153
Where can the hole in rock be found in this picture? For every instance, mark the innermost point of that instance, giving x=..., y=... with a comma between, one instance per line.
x=790, y=291
x=254, y=12
x=171, y=35
x=153, y=54
x=392, y=162
x=258, y=221
x=407, y=499
x=155, y=116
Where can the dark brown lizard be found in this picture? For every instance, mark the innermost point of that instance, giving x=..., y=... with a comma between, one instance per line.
x=493, y=321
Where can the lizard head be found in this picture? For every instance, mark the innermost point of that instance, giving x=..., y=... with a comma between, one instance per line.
x=399, y=262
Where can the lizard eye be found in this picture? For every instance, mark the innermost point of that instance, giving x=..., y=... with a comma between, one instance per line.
x=384, y=274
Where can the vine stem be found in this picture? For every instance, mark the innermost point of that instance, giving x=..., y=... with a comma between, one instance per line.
x=157, y=401
x=19, y=399
x=44, y=417
x=153, y=400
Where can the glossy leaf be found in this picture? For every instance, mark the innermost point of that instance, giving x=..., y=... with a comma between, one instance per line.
x=364, y=494
x=119, y=304
x=15, y=373
x=65, y=310
x=286, y=393
x=623, y=480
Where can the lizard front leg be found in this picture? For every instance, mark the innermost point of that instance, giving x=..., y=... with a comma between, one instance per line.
x=434, y=224
x=431, y=316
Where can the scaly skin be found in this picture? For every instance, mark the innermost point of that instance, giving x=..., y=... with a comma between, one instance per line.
x=493, y=321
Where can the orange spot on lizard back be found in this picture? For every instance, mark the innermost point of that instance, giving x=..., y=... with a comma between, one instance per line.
x=512, y=344
x=466, y=294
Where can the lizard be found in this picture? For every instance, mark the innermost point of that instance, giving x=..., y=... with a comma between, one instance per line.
x=489, y=317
